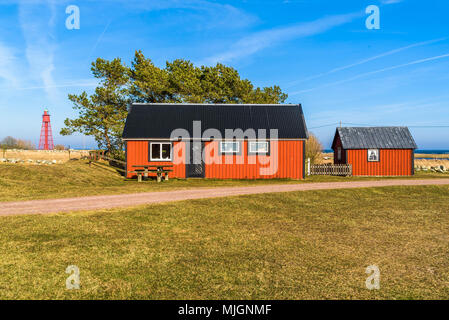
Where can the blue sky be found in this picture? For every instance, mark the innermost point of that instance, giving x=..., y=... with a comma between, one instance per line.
x=320, y=53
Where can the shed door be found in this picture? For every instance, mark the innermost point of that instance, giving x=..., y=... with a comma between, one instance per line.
x=195, y=166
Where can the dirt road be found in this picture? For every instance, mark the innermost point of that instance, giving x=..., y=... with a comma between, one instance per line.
x=128, y=200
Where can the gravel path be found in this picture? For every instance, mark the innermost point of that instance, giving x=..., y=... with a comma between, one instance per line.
x=128, y=200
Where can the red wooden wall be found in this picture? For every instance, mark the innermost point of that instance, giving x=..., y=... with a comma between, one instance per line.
x=137, y=154
x=286, y=160
x=393, y=162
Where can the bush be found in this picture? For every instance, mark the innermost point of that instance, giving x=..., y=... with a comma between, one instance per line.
x=117, y=155
x=13, y=143
x=25, y=145
x=59, y=147
x=9, y=142
x=314, y=148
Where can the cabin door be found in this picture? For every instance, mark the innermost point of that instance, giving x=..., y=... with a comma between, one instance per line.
x=195, y=165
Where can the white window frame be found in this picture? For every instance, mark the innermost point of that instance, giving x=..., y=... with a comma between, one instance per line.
x=237, y=143
x=378, y=155
x=252, y=151
x=160, y=159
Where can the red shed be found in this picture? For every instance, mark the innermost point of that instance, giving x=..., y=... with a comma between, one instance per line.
x=375, y=151
x=222, y=141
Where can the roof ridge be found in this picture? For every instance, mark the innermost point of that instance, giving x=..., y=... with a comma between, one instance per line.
x=217, y=104
x=370, y=127
x=159, y=120
x=389, y=137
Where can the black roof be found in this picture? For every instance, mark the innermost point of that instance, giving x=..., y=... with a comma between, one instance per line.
x=375, y=137
x=158, y=120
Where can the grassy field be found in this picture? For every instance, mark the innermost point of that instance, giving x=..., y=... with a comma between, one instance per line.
x=431, y=163
x=76, y=178
x=299, y=245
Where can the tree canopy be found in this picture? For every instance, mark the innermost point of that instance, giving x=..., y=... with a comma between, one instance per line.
x=13, y=143
x=102, y=114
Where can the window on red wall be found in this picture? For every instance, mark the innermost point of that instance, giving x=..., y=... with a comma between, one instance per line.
x=373, y=155
x=338, y=153
x=160, y=151
x=229, y=147
x=258, y=147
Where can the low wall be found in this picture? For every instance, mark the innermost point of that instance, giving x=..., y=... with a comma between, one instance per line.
x=59, y=156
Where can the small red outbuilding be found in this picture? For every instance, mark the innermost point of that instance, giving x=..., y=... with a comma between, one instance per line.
x=375, y=151
x=221, y=141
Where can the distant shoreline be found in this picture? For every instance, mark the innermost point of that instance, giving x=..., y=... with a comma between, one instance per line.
x=424, y=151
x=417, y=151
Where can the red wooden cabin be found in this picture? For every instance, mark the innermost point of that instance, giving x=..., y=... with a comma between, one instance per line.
x=221, y=141
x=375, y=151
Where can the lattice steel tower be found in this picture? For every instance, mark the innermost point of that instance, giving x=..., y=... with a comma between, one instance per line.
x=46, y=140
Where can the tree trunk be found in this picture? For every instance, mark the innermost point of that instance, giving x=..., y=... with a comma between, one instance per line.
x=108, y=141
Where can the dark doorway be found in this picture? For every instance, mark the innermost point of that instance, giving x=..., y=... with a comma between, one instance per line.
x=195, y=164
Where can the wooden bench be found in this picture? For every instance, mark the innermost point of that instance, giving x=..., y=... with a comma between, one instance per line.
x=139, y=173
x=159, y=174
x=158, y=169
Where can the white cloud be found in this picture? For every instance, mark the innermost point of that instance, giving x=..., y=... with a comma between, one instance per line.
x=443, y=56
x=78, y=83
x=375, y=114
x=8, y=66
x=391, y=1
x=208, y=15
x=36, y=19
x=358, y=63
x=264, y=39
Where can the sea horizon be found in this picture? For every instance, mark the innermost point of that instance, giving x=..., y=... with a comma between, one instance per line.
x=422, y=151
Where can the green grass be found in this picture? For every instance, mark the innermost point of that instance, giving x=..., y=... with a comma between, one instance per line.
x=76, y=178
x=298, y=245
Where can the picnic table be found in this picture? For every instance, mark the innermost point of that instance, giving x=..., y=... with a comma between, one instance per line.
x=160, y=170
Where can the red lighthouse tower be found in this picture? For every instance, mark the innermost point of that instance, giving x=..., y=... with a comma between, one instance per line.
x=46, y=140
